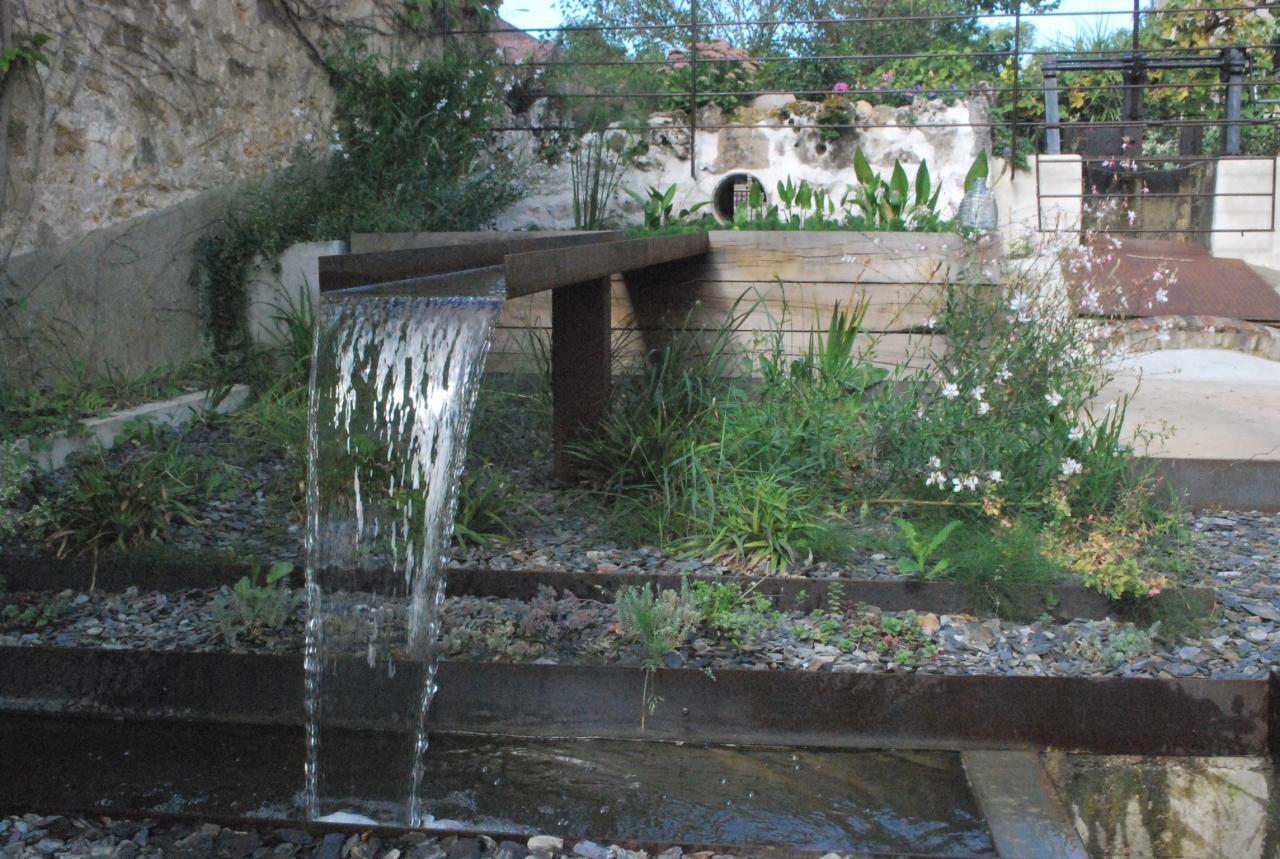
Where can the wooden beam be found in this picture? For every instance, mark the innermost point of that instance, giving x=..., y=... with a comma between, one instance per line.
x=349, y=270
x=580, y=341
x=551, y=269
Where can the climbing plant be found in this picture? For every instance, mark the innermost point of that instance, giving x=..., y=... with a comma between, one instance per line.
x=409, y=151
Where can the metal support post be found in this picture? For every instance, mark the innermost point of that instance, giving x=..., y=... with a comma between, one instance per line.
x=580, y=355
x=1233, y=71
x=1052, y=131
x=693, y=88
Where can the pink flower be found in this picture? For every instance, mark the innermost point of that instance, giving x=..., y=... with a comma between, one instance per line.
x=841, y=87
x=887, y=76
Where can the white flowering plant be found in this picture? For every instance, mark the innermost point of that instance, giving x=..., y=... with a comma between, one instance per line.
x=1009, y=425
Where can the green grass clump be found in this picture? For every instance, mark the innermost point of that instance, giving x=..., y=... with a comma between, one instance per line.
x=659, y=623
x=743, y=471
x=1004, y=567
x=109, y=505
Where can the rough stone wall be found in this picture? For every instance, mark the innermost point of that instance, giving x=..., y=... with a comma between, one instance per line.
x=147, y=103
x=120, y=149
x=779, y=142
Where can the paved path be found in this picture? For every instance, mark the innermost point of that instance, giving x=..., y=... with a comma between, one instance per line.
x=1220, y=404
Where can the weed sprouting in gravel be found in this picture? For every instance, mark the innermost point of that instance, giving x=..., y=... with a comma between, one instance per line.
x=659, y=623
x=257, y=602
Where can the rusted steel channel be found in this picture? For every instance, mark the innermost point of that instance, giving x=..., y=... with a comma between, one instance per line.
x=1104, y=715
x=577, y=268
x=786, y=592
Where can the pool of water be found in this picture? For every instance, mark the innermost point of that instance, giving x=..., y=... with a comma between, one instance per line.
x=870, y=801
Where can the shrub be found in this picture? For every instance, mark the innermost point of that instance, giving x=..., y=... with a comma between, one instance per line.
x=728, y=609
x=758, y=518
x=923, y=547
x=55, y=408
x=484, y=507
x=1003, y=565
x=110, y=504
x=1005, y=421
x=659, y=208
x=722, y=73
x=897, y=204
x=742, y=472
x=596, y=164
x=15, y=470
x=257, y=602
x=276, y=419
x=1116, y=552
x=409, y=152
x=658, y=624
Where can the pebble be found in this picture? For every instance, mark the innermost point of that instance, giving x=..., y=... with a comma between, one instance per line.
x=1236, y=553
x=544, y=844
x=69, y=838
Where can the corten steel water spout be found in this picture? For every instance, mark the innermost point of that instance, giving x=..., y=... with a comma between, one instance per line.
x=576, y=267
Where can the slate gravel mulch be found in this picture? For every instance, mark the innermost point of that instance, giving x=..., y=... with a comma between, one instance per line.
x=33, y=836
x=1238, y=552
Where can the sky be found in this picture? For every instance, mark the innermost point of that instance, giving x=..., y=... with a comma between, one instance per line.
x=531, y=14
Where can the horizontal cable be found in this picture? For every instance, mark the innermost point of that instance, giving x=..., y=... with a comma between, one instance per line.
x=939, y=55
x=886, y=19
x=941, y=90
x=1030, y=124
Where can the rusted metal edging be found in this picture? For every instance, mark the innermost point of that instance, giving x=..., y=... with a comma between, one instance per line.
x=1101, y=715
x=786, y=592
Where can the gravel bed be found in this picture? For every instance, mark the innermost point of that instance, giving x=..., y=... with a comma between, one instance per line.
x=1237, y=551
x=33, y=836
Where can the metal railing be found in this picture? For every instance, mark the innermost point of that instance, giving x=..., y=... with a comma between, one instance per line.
x=1139, y=95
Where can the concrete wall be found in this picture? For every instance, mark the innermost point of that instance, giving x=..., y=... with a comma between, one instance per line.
x=292, y=278
x=779, y=143
x=117, y=299
x=1244, y=200
x=1047, y=197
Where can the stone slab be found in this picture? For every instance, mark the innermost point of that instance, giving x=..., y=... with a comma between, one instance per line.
x=1021, y=806
x=52, y=452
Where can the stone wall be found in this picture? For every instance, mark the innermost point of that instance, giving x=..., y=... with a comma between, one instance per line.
x=117, y=149
x=779, y=141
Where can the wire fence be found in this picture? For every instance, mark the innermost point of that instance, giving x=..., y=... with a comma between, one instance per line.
x=1150, y=98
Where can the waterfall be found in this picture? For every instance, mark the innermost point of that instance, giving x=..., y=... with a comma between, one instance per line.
x=393, y=384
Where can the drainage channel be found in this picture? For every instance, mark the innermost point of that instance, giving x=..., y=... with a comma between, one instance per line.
x=657, y=794
x=891, y=764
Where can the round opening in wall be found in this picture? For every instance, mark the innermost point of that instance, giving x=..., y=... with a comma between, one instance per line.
x=734, y=193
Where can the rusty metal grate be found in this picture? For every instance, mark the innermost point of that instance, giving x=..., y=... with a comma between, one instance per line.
x=1193, y=282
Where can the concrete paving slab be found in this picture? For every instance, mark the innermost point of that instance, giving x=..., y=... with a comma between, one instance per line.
x=1215, y=404
x=1021, y=806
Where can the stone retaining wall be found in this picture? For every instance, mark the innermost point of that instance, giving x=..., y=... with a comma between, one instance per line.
x=1154, y=334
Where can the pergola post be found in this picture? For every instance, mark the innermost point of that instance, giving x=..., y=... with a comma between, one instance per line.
x=581, y=329
x=1052, y=131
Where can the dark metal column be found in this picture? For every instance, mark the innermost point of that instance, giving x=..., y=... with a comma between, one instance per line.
x=1052, y=131
x=580, y=355
x=1233, y=75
